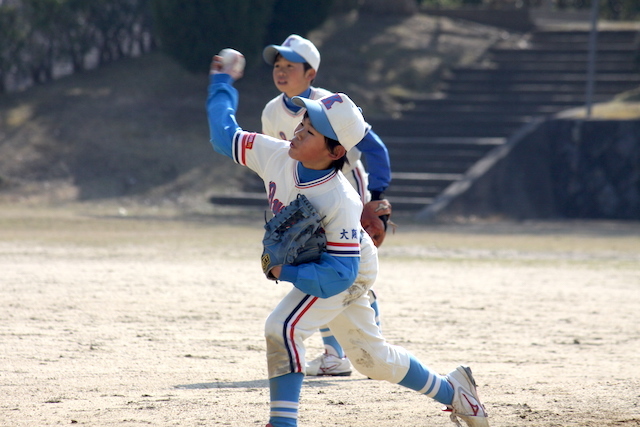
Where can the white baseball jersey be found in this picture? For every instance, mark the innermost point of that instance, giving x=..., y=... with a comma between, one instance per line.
x=280, y=122
x=330, y=195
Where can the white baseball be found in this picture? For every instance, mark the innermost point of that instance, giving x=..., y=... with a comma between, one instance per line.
x=232, y=61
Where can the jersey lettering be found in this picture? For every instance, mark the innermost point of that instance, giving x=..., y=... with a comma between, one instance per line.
x=328, y=101
x=248, y=143
x=275, y=204
x=344, y=234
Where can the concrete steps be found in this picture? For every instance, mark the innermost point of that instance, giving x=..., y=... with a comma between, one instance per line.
x=424, y=167
x=439, y=137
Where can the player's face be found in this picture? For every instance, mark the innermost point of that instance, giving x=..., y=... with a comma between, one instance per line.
x=309, y=147
x=290, y=77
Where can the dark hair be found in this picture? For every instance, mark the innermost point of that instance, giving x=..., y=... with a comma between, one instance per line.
x=306, y=66
x=337, y=164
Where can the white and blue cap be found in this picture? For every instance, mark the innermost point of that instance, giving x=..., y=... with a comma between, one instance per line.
x=294, y=49
x=336, y=116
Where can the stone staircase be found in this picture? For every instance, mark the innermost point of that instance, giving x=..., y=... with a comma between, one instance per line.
x=440, y=137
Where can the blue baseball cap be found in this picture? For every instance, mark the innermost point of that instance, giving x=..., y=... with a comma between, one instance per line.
x=295, y=49
x=336, y=116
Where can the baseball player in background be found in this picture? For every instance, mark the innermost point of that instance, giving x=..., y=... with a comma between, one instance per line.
x=333, y=290
x=295, y=66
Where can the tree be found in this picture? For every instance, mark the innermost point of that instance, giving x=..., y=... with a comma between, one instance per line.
x=12, y=40
x=45, y=20
x=193, y=31
x=296, y=17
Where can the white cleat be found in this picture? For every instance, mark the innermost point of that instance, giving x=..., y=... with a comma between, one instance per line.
x=466, y=405
x=328, y=365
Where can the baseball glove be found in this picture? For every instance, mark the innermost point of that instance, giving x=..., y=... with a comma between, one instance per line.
x=375, y=218
x=293, y=236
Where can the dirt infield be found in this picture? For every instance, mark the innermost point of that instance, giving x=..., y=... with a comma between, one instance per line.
x=117, y=318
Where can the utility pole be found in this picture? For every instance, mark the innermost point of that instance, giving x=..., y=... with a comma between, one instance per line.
x=591, y=66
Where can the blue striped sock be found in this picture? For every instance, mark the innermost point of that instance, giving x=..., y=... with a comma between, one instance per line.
x=374, y=304
x=420, y=379
x=285, y=395
x=330, y=342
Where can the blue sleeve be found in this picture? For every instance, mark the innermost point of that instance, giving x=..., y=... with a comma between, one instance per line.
x=325, y=278
x=377, y=160
x=222, y=103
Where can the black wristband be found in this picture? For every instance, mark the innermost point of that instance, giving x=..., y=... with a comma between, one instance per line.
x=377, y=195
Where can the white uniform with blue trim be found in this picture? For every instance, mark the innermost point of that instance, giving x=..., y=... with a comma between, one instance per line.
x=305, y=309
x=280, y=122
x=300, y=314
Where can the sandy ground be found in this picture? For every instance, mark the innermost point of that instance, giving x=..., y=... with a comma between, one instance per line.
x=119, y=318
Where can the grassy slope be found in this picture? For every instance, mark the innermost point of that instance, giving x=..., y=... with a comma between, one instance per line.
x=122, y=129
x=137, y=130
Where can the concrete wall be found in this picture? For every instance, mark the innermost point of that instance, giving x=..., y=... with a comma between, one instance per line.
x=555, y=169
x=595, y=168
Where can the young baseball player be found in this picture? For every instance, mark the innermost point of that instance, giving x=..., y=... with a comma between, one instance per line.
x=333, y=290
x=295, y=66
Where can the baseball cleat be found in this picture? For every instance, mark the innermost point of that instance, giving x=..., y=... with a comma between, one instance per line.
x=329, y=365
x=466, y=405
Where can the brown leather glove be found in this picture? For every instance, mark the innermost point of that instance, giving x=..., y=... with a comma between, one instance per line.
x=375, y=216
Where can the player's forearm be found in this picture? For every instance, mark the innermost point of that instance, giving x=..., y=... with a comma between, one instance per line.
x=325, y=278
x=222, y=103
x=377, y=159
